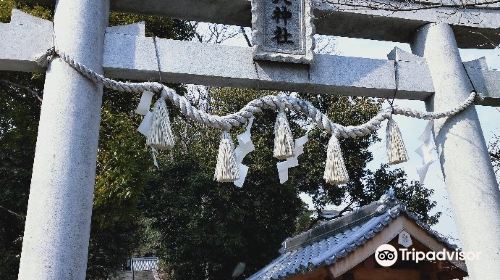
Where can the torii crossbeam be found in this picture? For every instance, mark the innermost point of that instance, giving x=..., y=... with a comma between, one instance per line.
x=57, y=230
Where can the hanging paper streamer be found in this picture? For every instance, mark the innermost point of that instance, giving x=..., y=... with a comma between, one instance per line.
x=283, y=138
x=427, y=151
x=292, y=161
x=145, y=103
x=146, y=124
x=144, y=109
x=245, y=146
x=154, y=152
x=144, y=128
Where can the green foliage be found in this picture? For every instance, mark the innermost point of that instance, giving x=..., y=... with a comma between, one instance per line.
x=413, y=194
x=18, y=130
x=206, y=228
x=155, y=25
x=123, y=166
x=345, y=111
x=31, y=7
x=5, y=10
x=495, y=154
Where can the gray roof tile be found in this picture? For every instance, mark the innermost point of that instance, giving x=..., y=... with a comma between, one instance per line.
x=333, y=240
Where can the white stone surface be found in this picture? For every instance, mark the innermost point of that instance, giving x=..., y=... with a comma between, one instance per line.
x=407, y=66
x=21, y=18
x=134, y=29
x=23, y=39
x=401, y=55
x=354, y=76
x=465, y=163
x=474, y=27
x=295, y=44
x=57, y=229
x=218, y=65
x=134, y=58
x=486, y=82
x=130, y=57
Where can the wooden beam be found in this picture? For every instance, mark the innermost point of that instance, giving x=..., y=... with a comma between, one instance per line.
x=362, y=273
x=317, y=274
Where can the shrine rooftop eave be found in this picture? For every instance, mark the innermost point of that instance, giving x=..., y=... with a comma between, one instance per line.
x=474, y=27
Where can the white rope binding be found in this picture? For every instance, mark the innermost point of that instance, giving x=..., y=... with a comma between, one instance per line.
x=226, y=170
x=335, y=170
x=396, y=149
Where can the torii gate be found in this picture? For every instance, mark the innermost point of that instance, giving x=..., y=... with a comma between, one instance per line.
x=55, y=244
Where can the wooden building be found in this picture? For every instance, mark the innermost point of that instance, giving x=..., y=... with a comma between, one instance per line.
x=345, y=248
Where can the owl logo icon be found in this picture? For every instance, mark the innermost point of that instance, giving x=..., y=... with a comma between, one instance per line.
x=386, y=255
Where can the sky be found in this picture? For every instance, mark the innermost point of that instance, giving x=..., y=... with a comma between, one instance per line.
x=412, y=128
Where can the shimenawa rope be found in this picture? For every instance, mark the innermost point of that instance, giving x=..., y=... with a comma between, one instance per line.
x=335, y=172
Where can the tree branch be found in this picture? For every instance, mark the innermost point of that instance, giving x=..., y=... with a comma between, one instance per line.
x=409, y=5
x=342, y=212
x=19, y=216
x=32, y=92
x=339, y=214
x=246, y=36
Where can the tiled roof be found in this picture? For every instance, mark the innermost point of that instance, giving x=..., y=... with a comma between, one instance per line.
x=333, y=240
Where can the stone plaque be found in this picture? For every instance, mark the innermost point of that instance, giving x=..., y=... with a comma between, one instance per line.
x=282, y=30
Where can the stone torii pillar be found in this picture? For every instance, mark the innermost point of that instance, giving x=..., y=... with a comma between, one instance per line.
x=465, y=162
x=56, y=236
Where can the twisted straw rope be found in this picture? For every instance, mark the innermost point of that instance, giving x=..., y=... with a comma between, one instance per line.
x=253, y=107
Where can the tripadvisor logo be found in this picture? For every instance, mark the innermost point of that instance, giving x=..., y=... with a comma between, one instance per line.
x=386, y=255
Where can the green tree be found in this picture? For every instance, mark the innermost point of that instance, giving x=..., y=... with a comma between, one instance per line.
x=123, y=165
x=206, y=228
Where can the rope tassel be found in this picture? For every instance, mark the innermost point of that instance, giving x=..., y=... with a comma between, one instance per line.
x=335, y=170
x=396, y=150
x=283, y=138
x=226, y=170
x=160, y=134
